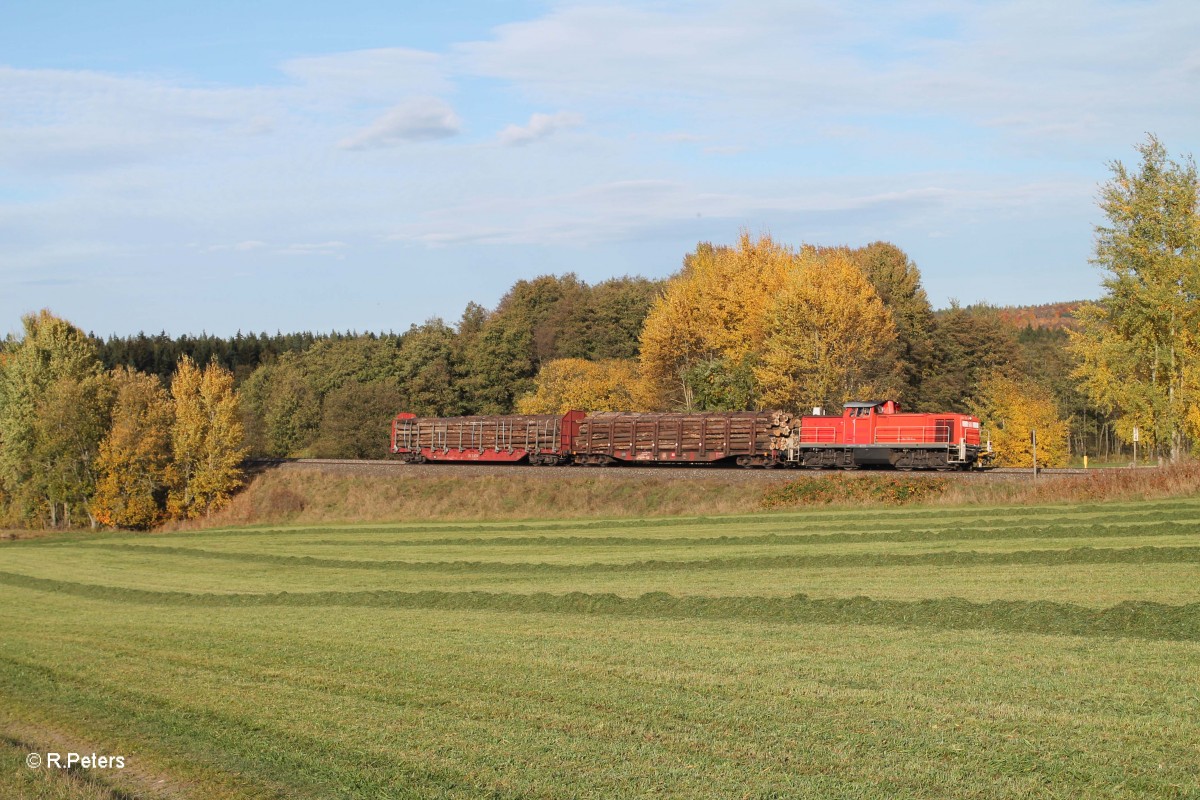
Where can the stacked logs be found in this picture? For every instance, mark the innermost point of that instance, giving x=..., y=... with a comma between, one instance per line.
x=533, y=431
x=667, y=437
x=783, y=425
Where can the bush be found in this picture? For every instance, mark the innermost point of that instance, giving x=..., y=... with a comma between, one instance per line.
x=846, y=490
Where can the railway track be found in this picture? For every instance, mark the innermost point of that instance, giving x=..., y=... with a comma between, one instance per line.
x=720, y=472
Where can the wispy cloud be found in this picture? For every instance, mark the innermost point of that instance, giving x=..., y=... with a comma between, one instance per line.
x=1043, y=64
x=240, y=247
x=370, y=76
x=336, y=249
x=416, y=120
x=539, y=127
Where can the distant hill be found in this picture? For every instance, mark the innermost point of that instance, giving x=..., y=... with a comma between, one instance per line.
x=1050, y=316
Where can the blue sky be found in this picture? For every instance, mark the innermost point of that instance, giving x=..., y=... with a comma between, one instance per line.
x=312, y=166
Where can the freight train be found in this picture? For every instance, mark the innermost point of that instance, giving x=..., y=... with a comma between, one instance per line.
x=866, y=434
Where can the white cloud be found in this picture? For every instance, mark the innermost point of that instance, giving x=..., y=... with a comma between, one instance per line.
x=240, y=247
x=539, y=127
x=70, y=122
x=620, y=211
x=792, y=65
x=369, y=76
x=415, y=120
x=314, y=249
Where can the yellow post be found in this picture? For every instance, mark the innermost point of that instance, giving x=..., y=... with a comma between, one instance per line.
x=1085, y=460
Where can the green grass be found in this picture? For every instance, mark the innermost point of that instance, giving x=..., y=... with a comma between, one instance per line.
x=977, y=652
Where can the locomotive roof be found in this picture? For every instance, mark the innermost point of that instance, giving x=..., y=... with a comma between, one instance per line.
x=863, y=404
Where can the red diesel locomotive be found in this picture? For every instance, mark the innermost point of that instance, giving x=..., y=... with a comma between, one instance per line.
x=870, y=434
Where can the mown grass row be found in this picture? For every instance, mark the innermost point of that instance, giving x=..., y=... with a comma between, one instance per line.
x=1073, y=530
x=1067, y=556
x=1139, y=619
x=1161, y=510
x=849, y=524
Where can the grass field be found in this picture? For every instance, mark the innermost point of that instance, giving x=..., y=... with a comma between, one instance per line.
x=917, y=652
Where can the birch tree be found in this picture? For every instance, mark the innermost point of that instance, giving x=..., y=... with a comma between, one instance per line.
x=1011, y=409
x=206, y=440
x=1139, y=343
x=135, y=457
x=50, y=353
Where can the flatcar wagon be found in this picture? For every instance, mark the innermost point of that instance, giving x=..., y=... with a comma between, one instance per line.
x=608, y=438
x=536, y=438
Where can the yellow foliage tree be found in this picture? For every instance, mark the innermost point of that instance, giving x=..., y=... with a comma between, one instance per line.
x=829, y=334
x=135, y=457
x=1011, y=408
x=567, y=384
x=206, y=440
x=715, y=308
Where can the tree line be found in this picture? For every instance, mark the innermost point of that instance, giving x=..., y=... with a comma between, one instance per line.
x=132, y=431
x=113, y=447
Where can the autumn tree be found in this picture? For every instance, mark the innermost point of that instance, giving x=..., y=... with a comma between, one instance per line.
x=516, y=339
x=51, y=352
x=135, y=457
x=71, y=420
x=1139, y=344
x=716, y=310
x=829, y=338
x=567, y=384
x=1011, y=409
x=206, y=440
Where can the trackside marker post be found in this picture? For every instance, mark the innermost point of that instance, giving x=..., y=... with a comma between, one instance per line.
x=1033, y=444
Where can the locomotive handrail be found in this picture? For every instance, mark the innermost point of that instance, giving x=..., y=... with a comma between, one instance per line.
x=914, y=434
x=818, y=435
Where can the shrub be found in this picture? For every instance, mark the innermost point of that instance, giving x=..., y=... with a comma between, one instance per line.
x=845, y=490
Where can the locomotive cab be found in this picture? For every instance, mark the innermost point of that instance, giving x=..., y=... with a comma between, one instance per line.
x=861, y=424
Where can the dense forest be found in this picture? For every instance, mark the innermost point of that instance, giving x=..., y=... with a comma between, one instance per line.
x=333, y=395
x=132, y=431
